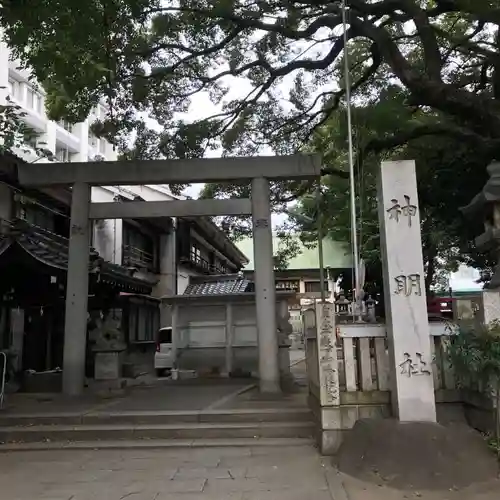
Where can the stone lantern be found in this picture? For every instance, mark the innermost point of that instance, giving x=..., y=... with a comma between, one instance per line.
x=370, y=306
x=343, y=306
x=486, y=204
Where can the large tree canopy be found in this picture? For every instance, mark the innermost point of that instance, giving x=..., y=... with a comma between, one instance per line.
x=450, y=172
x=152, y=55
x=419, y=68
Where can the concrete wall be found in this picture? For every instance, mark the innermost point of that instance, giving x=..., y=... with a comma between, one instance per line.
x=202, y=332
x=183, y=275
x=221, y=334
x=107, y=237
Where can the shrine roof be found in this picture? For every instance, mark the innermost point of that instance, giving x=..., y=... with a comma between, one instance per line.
x=219, y=287
x=52, y=250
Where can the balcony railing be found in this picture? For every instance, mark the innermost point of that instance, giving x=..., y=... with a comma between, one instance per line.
x=203, y=264
x=135, y=257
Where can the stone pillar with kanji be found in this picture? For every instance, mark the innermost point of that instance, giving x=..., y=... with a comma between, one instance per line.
x=407, y=323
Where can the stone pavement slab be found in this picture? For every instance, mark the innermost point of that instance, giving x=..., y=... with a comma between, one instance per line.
x=226, y=473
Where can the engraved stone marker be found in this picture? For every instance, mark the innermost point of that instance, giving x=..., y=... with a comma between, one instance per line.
x=405, y=297
x=327, y=355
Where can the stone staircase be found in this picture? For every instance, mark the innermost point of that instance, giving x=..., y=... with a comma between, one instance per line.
x=242, y=427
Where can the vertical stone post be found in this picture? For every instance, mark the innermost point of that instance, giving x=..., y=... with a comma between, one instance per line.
x=75, y=324
x=229, y=339
x=284, y=331
x=405, y=296
x=175, y=332
x=17, y=331
x=168, y=274
x=490, y=307
x=327, y=355
x=330, y=420
x=265, y=288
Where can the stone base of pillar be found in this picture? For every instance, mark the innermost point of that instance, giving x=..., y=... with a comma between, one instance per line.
x=329, y=441
x=284, y=361
x=269, y=387
x=108, y=365
x=333, y=422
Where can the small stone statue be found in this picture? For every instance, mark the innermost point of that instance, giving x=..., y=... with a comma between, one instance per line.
x=107, y=336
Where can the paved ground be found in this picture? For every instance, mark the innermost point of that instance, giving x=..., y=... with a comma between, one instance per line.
x=242, y=473
x=246, y=473
x=236, y=473
x=161, y=395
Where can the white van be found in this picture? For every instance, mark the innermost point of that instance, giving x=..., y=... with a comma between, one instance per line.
x=164, y=355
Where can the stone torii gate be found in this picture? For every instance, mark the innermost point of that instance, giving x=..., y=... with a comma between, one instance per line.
x=81, y=176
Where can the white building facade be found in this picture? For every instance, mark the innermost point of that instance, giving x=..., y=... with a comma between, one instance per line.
x=67, y=142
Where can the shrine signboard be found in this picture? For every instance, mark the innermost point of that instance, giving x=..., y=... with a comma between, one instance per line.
x=404, y=292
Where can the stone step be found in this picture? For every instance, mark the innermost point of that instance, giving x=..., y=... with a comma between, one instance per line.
x=157, y=444
x=157, y=417
x=207, y=430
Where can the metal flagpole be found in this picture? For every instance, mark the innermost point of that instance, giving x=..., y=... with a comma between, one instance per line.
x=320, y=243
x=351, y=155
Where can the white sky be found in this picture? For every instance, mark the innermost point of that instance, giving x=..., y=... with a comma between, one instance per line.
x=202, y=107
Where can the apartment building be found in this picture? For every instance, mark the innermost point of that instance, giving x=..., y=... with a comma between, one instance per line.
x=66, y=142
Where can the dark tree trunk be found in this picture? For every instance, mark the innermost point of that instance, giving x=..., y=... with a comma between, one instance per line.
x=430, y=271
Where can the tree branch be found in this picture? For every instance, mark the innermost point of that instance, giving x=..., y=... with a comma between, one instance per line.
x=432, y=55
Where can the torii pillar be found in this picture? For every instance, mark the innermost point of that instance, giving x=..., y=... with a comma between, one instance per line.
x=265, y=287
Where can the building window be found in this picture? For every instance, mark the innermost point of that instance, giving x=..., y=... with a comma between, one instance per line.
x=288, y=285
x=15, y=89
x=315, y=286
x=37, y=216
x=198, y=258
x=35, y=100
x=196, y=254
x=138, y=248
x=93, y=140
x=143, y=322
x=66, y=126
x=63, y=155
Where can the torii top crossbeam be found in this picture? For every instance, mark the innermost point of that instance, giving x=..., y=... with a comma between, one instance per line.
x=129, y=172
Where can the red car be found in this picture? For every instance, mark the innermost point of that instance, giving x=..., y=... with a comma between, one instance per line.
x=440, y=306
